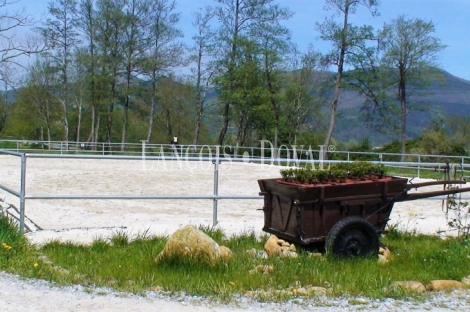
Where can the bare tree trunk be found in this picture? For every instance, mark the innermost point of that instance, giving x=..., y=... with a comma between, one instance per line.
x=48, y=128
x=79, y=122
x=66, y=126
x=97, y=130
x=125, y=124
x=339, y=78
x=224, y=129
x=151, y=120
x=91, y=136
x=404, y=113
x=198, y=125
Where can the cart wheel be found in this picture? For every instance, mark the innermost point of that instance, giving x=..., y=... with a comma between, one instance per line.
x=352, y=237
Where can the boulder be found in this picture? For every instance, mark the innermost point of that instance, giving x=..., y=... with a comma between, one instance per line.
x=438, y=285
x=225, y=253
x=191, y=243
x=275, y=246
x=260, y=254
x=272, y=247
x=264, y=269
x=384, y=251
x=409, y=285
x=382, y=259
x=289, y=254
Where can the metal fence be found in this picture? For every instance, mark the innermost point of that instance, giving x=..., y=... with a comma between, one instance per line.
x=265, y=151
x=215, y=154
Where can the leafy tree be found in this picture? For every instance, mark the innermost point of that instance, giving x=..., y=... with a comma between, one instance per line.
x=276, y=48
x=135, y=22
x=163, y=51
x=241, y=21
x=344, y=37
x=459, y=128
x=38, y=93
x=202, y=46
x=175, y=114
x=109, y=40
x=304, y=92
x=79, y=95
x=7, y=75
x=88, y=26
x=61, y=36
x=409, y=54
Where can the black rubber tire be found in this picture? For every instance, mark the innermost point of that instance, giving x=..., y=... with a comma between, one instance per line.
x=352, y=237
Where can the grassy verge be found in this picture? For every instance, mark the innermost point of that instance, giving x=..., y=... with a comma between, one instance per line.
x=128, y=265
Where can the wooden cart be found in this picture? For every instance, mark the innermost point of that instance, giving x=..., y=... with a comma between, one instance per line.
x=347, y=217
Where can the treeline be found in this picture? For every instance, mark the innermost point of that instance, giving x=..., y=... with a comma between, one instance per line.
x=108, y=71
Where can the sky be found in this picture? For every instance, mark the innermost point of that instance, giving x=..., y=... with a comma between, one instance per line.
x=450, y=17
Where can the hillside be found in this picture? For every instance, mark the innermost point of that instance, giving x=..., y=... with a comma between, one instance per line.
x=449, y=96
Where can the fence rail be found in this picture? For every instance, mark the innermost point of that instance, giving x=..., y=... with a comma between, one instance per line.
x=214, y=154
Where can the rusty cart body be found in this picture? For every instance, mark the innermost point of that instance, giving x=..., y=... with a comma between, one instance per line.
x=348, y=217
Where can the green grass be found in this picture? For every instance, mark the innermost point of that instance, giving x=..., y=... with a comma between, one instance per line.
x=127, y=264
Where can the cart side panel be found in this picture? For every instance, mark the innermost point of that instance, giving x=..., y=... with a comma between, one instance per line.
x=306, y=214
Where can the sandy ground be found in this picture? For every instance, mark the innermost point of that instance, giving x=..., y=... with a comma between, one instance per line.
x=84, y=220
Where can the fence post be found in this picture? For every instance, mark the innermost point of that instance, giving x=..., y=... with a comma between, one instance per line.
x=419, y=162
x=461, y=167
x=22, y=191
x=216, y=163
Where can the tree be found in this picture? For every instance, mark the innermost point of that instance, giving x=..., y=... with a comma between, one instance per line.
x=409, y=54
x=61, y=37
x=163, y=51
x=38, y=92
x=240, y=21
x=6, y=77
x=12, y=46
x=344, y=38
x=276, y=47
x=109, y=40
x=175, y=114
x=136, y=17
x=79, y=86
x=245, y=90
x=202, y=45
x=304, y=92
x=87, y=25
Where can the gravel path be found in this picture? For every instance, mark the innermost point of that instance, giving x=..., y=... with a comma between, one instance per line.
x=17, y=294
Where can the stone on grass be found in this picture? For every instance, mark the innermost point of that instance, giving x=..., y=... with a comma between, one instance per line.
x=438, y=285
x=314, y=254
x=385, y=252
x=382, y=259
x=225, y=253
x=414, y=286
x=191, y=243
x=289, y=254
x=260, y=254
x=264, y=269
x=275, y=246
x=272, y=247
